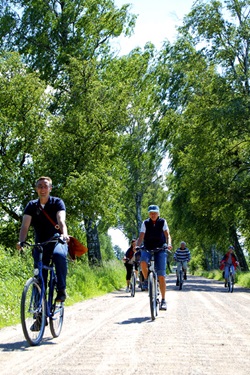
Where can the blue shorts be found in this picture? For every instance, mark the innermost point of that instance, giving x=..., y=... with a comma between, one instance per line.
x=160, y=261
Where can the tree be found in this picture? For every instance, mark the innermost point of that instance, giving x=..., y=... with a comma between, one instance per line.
x=24, y=118
x=48, y=33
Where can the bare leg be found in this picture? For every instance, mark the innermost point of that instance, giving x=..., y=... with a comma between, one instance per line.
x=144, y=268
x=162, y=282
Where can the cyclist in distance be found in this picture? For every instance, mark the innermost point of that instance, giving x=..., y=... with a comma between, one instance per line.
x=44, y=230
x=182, y=256
x=128, y=262
x=228, y=259
x=155, y=233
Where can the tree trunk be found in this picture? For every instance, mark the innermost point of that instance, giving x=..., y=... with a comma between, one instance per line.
x=94, y=251
x=238, y=250
x=138, y=200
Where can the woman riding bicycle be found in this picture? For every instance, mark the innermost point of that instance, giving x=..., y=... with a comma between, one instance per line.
x=228, y=259
x=155, y=233
x=182, y=257
x=128, y=262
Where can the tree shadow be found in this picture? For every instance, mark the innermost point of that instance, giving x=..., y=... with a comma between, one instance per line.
x=195, y=283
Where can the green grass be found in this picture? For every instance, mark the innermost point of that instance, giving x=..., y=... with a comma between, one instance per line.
x=83, y=282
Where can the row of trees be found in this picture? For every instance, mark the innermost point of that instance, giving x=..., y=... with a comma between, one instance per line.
x=100, y=125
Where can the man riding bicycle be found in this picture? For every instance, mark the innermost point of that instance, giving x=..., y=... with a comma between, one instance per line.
x=182, y=257
x=34, y=216
x=155, y=233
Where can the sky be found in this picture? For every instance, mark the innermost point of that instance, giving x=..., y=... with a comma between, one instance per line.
x=156, y=21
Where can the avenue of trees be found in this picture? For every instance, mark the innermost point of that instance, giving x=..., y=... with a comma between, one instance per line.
x=103, y=125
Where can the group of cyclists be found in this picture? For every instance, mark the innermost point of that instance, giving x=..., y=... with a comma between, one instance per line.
x=155, y=234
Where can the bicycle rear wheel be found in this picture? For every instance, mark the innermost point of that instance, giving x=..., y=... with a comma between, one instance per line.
x=152, y=296
x=33, y=312
x=57, y=313
x=56, y=320
x=132, y=284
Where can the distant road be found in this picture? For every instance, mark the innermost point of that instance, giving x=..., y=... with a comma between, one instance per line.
x=205, y=331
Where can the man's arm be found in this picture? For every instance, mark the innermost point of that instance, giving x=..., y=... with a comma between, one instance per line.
x=24, y=230
x=61, y=219
x=168, y=239
x=141, y=238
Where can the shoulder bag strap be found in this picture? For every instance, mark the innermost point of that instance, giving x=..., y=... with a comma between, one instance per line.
x=49, y=218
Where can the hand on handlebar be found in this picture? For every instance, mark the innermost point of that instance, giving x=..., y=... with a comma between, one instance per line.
x=19, y=245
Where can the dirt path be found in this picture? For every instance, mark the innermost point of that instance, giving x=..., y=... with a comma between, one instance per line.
x=204, y=331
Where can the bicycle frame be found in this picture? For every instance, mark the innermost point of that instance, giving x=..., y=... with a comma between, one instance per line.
x=52, y=277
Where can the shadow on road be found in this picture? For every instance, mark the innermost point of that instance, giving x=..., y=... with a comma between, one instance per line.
x=135, y=320
x=23, y=345
x=10, y=347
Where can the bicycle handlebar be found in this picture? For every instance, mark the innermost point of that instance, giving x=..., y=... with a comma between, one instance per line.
x=55, y=238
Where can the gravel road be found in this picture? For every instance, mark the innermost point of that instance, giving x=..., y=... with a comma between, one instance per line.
x=205, y=330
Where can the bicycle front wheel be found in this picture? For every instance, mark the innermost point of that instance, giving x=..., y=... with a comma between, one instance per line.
x=230, y=283
x=132, y=284
x=152, y=296
x=33, y=312
x=180, y=280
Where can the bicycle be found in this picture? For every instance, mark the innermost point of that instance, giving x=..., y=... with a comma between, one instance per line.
x=153, y=284
x=35, y=307
x=179, y=274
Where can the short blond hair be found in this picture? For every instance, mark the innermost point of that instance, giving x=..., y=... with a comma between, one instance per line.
x=44, y=178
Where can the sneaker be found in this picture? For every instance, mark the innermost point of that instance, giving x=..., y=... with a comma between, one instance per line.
x=163, y=305
x=177, y=282
x=61, y=296
x=36, y=326
x=127, y=290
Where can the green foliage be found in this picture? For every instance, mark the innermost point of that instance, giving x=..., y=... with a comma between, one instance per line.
x=197, y=261
x=107, y=250
x=14, y=271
